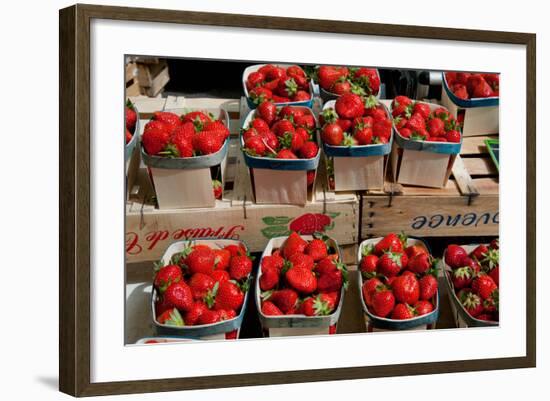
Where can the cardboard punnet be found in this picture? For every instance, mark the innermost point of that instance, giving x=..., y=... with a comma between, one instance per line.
x=356, y=168
x=481, y=115
x=187, y=182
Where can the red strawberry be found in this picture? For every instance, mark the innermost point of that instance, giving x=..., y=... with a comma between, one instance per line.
x=217, y=188
x=227, y=314
x=454, y=256
x=167, y=275
x=270, y=140
x=460, y=91
x=494, y=274
x=421, y=108
x=428, y=287
x=305, y=120
x=236, y=250
x=180, y=295
x=267, y=111
x=281, y=127
x=272, y=261
x=162, y=305
x=482, y=89
x=285, y=299
x=420, y=263
x=368, y=78
x=228, y=296
x=414, y=250
x=368, y=289
x=436, y=127
x=316, y=306
x=303, y=133
x=390, y=264
x=472, y=264
x=167, y=117
x=200, y=284
x=317, y=249
x=192, y=316
x=462, y=277
x=260, y=95
x=201, y=260
x=259, y=124
x=287, y=87
x=255, y=146
x=483, y=285
x=390, y=242
x=222, y=259
x=196, y=117
x=220, y=275
x=328, y=75
x=309, y=223
x=453, y=136
x=131, y=117
x=472, y=303
x=480, y=252
x=368, y=264
x=310, y=177
x=383, y=302
x=286, y=154
x=341, y=87
x=295, y=70
x=207, y=143
x=127, y=135
x=292, y=141
x=291, y=113
x=405, y=132
x=485, y=317
x=401, y=105
x=301, y=260
x=154, y=140
x=301, y=279
x=185, y=131
x=494, y=244
x=209, y=316
x=402, y=312
x=331, y=281
x=349, y=105
x=293, y=244
x=240, y=267
x=332, y=134
x=406, y=289
x=423, y=307
x=269, y=279
x=270, y=309
x=490, y=304
x=171, y=317
x=363, y=136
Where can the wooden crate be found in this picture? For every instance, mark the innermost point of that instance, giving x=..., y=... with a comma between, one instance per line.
x=467, y=206
x=149, y=231
x=146, y=76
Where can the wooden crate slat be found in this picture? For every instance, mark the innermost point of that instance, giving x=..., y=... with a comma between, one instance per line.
x=463, y=178
x=480, y=166
x=473, y=145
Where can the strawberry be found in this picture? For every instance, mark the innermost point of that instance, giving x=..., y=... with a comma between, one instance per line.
x=405, y=132
x=460, y=91
x=167, y=117
x=198, y=118
x=240, y=267
x=192, y=316
x=462, y=277
x=260, y=95
x=306, y=121
x=259, y=124
x=162, y=305
x=200, y=284
x=406, y=289
x=391, y=242
x=416, y=122
x=285, y=299
x=272, y=261
x=127, y=135
x=301, y=260
x=222, y=259
x=316, y=306
x=290, y=113
x=332, y=134
x=490, y=304
x=292, y=141
x=341, y=87
x=287, y=87
x=328, y=75
x=454, y=256
x=453, y=136
x=369, y=287
x=220, y=275
x=270, y=140
x=472, y=303
x=280, y=99
x=167, y=275
x=390, y=264
x=402, y=312
x=494, y=274
x=207, y=143
x=293, y=244
x=309, y=223
x=414, y=250
x=383, y=302
x=368, y=264
x=472, y=264
x=494, y=244
x=154, y=140
x=301, y=279
x=428, y=287
x=304, y=133
x=421, y=108
x=130, y=117
x=217, y=188
x=229, y=296
x=269, y=279
x=180, y=295
x=267, y=111
x=316, y=249
x=332, y=281
x=420, y=263
x=480, y=252
x=295, y=70
x=401, y=106
x=236, y=250
x=485, y=317
x=436, y=127
x=270, y=309
x=349, y=105
x=286, y=154
x=255, y=78
x=255, y=146
x=310, y=178
x=482, y=89
x=209, y=316
x=281, y=127
x=483, y=285
x=201, y=260
x=364, y=136
x=171, y=317
x=368, y=78
x=423, y=307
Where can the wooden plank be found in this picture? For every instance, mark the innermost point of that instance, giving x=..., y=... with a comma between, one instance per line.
x=463, y=178
x=474, y=145
x=130, y=71
x=480, y=166
x=426, y=215
x=133, y=89
x=159, y=82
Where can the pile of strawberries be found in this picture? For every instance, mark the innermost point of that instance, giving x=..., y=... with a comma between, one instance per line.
x=202, y=285
x=399, y=280
x=193, y=134
x=355, y=120
x=301, y=278
x=278, y=84
x=475, y=279
x=465, y=85
x=415, y=121
x=341, y=80
x=130, y=123
x=283, y=133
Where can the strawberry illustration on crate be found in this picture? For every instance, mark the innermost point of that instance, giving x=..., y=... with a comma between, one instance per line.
x=305, y=224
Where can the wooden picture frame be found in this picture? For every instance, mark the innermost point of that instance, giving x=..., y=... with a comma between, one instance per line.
x=74, y=203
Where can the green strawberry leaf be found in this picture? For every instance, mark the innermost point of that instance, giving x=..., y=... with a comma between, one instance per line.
x=275, y=231
x=276, y=220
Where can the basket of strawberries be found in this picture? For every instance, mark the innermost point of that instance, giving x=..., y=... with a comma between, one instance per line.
x=472, y=278
x=300, y=286
x=131, y=128
x=335, y=81
x=398, y=283
x=282, y=84
x=427, y=140
x=280, y=149
x=200, y=289
x=186, y=153
x=357, y=138
x=474, y=99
